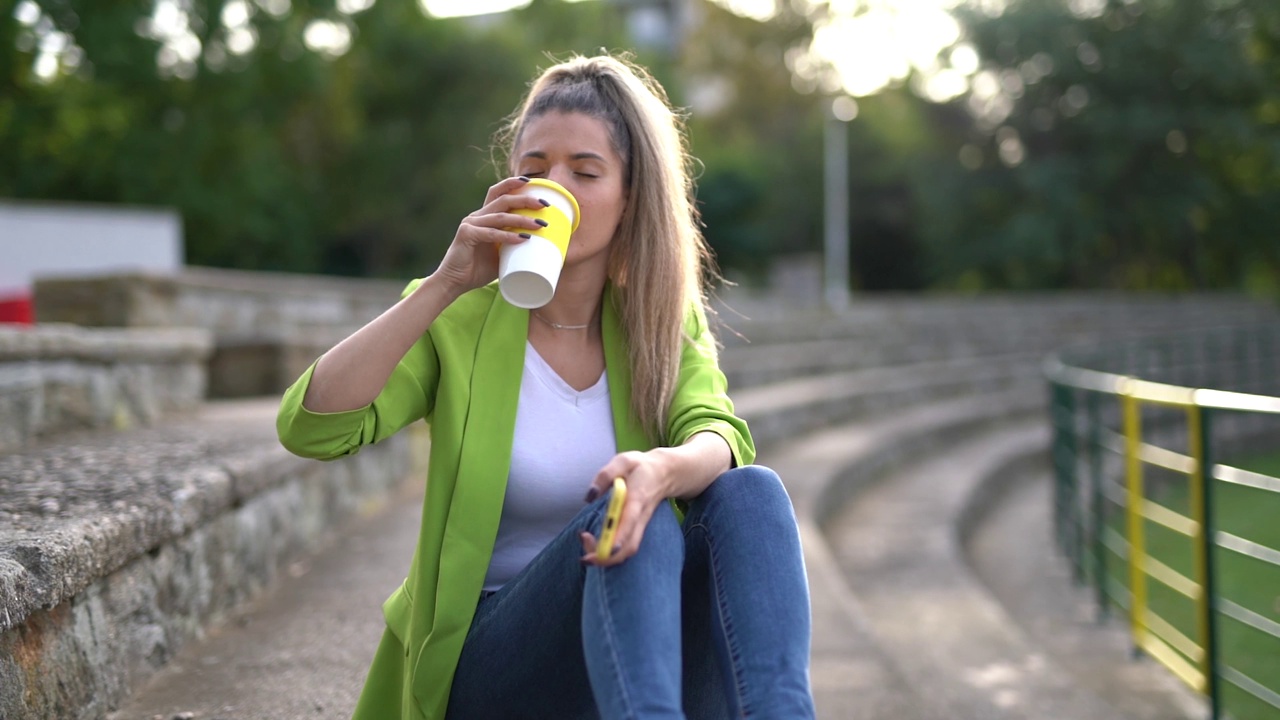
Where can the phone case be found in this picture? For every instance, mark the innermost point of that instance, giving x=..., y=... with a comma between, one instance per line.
x=604, y=548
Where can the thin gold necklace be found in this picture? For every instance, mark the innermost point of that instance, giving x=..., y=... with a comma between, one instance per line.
x=558, y=326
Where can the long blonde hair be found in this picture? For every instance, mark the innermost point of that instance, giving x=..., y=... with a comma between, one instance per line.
x=659, y=263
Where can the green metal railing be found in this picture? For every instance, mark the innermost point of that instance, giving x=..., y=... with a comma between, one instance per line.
x=1139, y=472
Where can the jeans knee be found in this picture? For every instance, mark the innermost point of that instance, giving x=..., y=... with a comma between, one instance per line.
x=663, y=531
x=755, y=489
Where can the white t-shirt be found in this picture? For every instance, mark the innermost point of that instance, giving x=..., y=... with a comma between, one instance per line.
x=562, y=439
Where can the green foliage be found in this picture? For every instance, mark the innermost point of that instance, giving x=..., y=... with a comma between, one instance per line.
x=283, y=158
x=1137, y=149
x=760, y=142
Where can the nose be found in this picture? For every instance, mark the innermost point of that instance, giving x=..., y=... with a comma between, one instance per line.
x=560, y=174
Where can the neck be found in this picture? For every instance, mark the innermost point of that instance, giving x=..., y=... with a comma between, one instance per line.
x=579, y=294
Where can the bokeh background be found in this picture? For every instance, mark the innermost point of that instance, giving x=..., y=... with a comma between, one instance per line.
x=993, y=144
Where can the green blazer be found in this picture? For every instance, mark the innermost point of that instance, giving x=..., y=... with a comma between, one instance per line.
x=463, y=376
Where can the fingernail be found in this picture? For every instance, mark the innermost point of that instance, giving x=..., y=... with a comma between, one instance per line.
x=526, y=236
x=585, y=562
x=523, y=179
x=544, y=202
x=540, y=221
x=617, y=549
x=592, y=494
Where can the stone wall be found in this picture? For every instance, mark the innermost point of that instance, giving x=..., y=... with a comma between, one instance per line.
x=118, y=548
x=57, y=378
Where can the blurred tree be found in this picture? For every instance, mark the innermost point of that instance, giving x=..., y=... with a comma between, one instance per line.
x=289, y=135
x=1127, y=144
x=759, y=141
x=1103, y=143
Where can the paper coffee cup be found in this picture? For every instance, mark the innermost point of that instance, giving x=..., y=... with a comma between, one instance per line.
x=528, y=272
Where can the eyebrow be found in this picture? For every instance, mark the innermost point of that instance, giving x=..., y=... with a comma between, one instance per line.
x=576, y=156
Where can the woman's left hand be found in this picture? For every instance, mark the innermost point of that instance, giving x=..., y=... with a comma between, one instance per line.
x=648, y=485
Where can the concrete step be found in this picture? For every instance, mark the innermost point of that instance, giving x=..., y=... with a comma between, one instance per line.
x=749, y=367
x=794, y=407
x=854, y=678
x=898, y=545
x=877, y=318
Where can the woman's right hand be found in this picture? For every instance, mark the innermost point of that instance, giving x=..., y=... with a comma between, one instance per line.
x=472, y=258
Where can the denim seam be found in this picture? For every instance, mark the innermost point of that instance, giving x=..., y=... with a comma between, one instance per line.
x=726, y=622
x=612, y=644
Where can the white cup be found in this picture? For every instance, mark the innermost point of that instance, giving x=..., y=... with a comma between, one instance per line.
x=528, y=271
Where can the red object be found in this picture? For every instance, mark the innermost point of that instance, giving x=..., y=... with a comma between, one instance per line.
x=17, y=309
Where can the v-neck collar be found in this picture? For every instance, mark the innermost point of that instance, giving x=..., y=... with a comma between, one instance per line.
x=547, y=375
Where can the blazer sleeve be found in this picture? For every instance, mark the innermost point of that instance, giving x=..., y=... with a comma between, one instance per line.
x=701, y=401
x=409, y=395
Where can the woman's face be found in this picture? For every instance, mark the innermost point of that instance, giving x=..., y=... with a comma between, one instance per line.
x=574, y=150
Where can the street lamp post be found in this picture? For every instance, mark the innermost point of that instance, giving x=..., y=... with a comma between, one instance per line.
x=835, y=283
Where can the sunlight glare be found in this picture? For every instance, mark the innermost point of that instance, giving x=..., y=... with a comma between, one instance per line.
x=875, y=44
x=755, y=9
x=964, y=59
x=328, y=37
x=460, y=8
x=46, y=66
x=844, y=108
x=235, y=13
x=862, y=50
x=242, y=40
x=27, y=13
x=351, y=7
x=276, y=8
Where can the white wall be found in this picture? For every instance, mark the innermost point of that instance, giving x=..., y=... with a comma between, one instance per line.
x=60, y=239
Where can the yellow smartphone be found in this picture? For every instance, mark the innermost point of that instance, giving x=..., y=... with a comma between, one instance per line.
x=604, y=548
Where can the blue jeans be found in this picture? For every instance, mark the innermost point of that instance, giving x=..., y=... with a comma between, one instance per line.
x=709, y=619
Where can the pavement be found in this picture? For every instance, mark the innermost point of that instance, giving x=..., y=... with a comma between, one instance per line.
x=905, y=628
x=897, y=545
x=1011, y=551
x=303, y=650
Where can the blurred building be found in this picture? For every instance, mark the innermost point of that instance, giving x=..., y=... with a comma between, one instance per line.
x=68, y=239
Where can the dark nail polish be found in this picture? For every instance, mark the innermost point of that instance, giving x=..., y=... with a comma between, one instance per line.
x=592, y=494
x=523, y=179
x=585, y=562
x=540, y=221
x=526, y=236
x=544, y=202
x=617, y=549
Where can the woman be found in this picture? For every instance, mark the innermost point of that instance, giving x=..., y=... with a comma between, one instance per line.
x=702, y=609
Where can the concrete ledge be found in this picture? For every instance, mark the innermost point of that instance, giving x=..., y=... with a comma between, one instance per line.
x=117, y=549
x=228, y=302
x=795, y=407
x=827, y=351
x=1071, y=316
x=55, y=378
x=267, y=327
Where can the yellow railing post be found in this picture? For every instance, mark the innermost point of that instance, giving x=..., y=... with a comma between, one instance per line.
x=1133, y=513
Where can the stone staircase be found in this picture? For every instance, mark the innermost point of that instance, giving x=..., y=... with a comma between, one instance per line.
x=893, y=426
